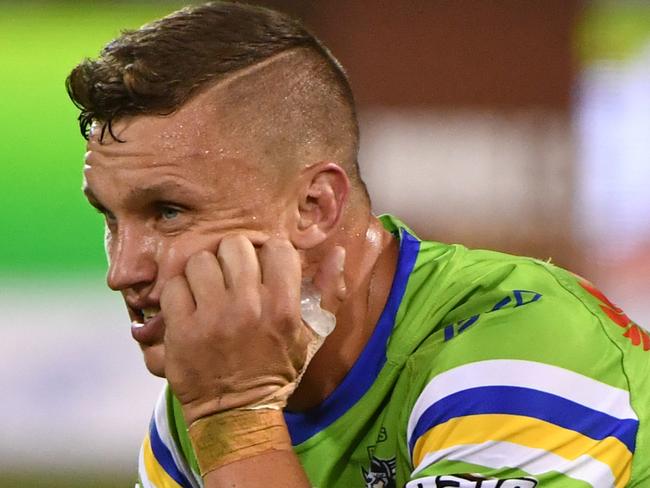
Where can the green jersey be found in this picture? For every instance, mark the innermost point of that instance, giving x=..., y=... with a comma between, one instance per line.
x=484, y=370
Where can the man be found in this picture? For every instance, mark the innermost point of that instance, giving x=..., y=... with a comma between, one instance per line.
x=222, y=152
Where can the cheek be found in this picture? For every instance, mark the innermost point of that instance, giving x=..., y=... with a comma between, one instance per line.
x=172, y=255
x=171, y=259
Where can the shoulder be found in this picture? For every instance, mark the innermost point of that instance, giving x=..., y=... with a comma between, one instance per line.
x=527, y=367
x=522, y=308
x=497, y=296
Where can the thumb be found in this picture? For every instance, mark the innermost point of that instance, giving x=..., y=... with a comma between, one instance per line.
x=330, y=279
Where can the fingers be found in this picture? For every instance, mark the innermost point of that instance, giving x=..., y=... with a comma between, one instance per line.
x=281, y=269
x=204, y=277
x=238, y=268
x=176, y=299
x=238, y=260
x=235, y=268
x=330, y=279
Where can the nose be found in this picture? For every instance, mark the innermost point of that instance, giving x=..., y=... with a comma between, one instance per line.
x=131, y=259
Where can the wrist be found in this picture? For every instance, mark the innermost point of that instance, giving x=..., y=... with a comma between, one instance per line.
x=252, y=398
x=225, y=437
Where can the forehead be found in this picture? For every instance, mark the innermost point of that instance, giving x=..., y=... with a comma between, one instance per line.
x=191, y=130
x=185, y=154
x=193, y=138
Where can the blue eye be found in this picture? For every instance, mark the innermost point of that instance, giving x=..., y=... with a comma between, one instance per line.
x=169, y=213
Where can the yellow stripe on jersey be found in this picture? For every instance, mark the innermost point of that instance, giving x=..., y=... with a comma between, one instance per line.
x=158, y=477
x=529, y=432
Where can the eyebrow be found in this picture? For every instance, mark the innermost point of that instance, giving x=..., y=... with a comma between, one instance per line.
x=156, y=190
x=168, y=189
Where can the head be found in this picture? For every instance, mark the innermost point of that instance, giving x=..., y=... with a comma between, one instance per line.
x=216, y=119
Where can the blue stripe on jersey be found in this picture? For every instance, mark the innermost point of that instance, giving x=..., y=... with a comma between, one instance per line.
x=164, y=456
x=516, y=400
x=303, y=425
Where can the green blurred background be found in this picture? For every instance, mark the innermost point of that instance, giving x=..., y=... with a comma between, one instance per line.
x=49, y=229
x=77, y=398
x=51, y=254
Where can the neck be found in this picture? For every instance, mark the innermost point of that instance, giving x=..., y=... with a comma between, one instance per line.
x=369, y=269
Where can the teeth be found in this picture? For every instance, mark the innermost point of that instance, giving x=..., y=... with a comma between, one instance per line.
x=149, y=313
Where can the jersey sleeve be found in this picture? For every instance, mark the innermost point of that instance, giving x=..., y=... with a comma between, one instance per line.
x=531, y=393
x=162, y=463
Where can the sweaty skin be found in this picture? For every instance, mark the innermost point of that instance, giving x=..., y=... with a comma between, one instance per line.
x=197, y=226
x=164, y=202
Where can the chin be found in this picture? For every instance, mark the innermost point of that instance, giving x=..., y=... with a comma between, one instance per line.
x=154, y=359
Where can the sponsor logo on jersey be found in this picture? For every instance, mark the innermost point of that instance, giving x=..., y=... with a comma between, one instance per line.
x=469, y=481
x=635, y=334
x=516, y=298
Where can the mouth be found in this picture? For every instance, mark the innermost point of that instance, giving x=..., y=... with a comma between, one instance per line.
x=147, y=326
x=144, y=315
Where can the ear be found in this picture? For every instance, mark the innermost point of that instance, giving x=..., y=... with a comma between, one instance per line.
x=323, y=191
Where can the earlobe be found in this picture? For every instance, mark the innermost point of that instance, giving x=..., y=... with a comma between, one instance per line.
x=320, y=205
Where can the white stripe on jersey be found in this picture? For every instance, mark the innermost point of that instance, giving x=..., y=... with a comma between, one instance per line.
x=142, y=470
x=526, y=374
x=161, y=416
x=533, y=461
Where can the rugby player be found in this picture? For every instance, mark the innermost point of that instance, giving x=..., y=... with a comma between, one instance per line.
x=222, y=152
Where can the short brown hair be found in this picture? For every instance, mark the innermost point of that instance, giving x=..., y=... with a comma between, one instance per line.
x=159, y=67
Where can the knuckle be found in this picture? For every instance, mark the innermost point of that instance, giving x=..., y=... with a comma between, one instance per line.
x=248, y=306
x=231, y=241
x=255, y=311
x=277, y=243
x=205, y=319
x=277, y=246
x=284, y=312
x=198, y=260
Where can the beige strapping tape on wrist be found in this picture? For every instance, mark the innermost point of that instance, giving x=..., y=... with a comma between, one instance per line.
x=230, y=436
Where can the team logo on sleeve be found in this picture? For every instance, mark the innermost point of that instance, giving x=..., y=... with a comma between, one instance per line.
x=381, y=473
x=468, y=481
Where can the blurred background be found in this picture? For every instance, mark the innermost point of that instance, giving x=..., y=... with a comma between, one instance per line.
x=519, y=126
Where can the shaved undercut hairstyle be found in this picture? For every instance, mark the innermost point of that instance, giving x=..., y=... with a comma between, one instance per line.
x=300, y=94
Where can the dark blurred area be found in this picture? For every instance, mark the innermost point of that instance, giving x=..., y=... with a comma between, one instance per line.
x=499, y=55
x=512, y=63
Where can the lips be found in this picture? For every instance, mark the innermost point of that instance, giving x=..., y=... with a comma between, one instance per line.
x=147, y=325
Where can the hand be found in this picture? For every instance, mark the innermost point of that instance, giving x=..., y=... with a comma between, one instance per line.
x=234, y=335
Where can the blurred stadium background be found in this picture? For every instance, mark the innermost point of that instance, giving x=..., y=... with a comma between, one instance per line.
x=520, y=126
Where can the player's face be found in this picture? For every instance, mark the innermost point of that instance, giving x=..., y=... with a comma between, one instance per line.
x=174, y=187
